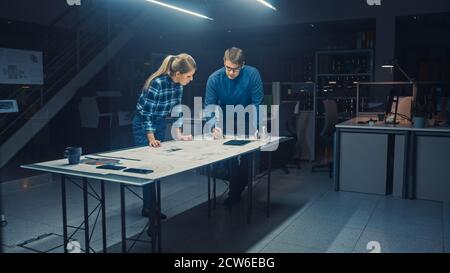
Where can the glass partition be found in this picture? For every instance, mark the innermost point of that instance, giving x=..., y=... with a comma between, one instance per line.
x=393, y=99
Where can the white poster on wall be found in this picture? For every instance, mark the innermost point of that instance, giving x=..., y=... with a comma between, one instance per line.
x=21, y=66
x=8, y=106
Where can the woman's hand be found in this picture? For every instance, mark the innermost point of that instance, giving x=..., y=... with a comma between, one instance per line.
x=185, y=138
x=155, y=143
x=152, y=141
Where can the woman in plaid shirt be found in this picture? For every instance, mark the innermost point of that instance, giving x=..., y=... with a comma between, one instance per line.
x=162, y=91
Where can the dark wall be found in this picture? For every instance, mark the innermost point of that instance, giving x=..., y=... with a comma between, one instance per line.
x=37, y=12
x=423, y=46
x=278, y=52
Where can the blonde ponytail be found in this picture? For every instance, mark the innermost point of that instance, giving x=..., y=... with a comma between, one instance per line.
x=182, y=63
x=163, y=69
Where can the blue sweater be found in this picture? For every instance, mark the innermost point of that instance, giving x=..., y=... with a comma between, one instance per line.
x=245, y=89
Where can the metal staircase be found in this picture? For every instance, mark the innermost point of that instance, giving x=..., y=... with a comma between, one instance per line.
x=98, y=34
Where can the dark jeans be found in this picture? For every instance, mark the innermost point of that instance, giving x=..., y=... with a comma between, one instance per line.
x=140, y=139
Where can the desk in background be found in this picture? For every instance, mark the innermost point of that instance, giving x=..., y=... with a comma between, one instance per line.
x=393, y=159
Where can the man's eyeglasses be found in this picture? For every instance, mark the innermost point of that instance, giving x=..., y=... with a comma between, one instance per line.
x=236, y=69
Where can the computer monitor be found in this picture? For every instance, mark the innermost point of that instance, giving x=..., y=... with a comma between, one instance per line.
x=377, y=98
x=404, y=107
x=398, y=108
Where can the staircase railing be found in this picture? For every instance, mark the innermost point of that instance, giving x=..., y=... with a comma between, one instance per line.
x=89, y=41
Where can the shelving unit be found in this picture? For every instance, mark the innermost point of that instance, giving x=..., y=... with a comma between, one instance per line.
x=337, y=74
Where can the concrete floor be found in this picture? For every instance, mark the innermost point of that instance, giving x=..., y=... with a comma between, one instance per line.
x=307, y=215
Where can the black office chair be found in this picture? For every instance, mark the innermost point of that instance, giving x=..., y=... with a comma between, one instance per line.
x=284, y=157
x=326, y=135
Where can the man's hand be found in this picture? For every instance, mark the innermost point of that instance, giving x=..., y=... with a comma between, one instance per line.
x=185, y=138
x=180, y=136
x=217, y=133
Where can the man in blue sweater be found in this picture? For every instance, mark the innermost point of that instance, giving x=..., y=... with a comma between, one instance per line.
x=235, y=84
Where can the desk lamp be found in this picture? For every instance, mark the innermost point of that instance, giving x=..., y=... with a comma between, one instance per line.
x=394, y=64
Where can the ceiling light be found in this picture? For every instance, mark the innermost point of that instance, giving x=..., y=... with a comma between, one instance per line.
x=265, y=3
x=179, y=9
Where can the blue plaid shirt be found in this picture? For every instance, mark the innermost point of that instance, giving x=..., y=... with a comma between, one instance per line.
x=158, y=100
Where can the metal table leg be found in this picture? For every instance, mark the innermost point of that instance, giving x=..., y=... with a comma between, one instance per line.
x=209, y=189
x=250, y=186
x=64, y=211
x=158, y=217
x=102, y=184
x=214, y=192
x=269, y=172
x=153, y=216
x=86, y=215
x=122, y=218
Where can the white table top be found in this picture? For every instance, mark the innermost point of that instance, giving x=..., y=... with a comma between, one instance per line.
x=164, y=161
